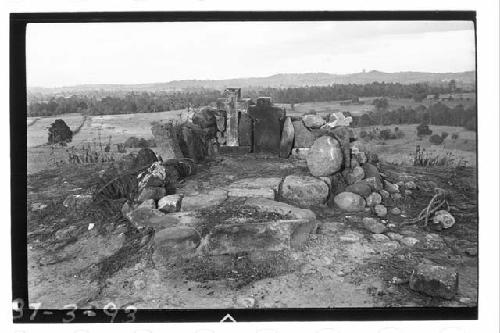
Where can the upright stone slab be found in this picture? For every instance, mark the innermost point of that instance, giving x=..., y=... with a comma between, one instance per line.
x=267, y=128
x=303, y=137
x=245, y=130
x=166, y=141
x=287, y=136
x=233, y=94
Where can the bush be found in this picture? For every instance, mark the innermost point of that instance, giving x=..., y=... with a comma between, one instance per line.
x=454, y=136
x=134, y=142
x=59, y=133
x=423, y=129
x=363, y=134
x=400, y=134
x=444, y=135
x=471, y=125
x=436, y=139
x=387, y=134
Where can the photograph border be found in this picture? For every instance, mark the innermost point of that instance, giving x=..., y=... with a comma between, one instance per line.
x=18, y=111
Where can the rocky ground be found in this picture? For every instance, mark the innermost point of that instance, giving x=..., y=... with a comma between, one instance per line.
x=91, y=255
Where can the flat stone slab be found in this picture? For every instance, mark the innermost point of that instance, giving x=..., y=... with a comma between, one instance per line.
x=203, y=200
x=257, y=237
x=251, y=193
x=271, y=206
x=257, y=183
x=304, y=191
x=173, y=242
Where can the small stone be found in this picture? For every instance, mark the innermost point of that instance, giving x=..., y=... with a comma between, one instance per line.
x=373, y=199
x=139, y=284
x=355, y=175
x=373, y=225
x=391, y=225
x=77, y=201
x=391, y=188
x=380, y=238
x=396, y=196
x=38, y=206
x=150, y=203
x=394, y=236
x=395, y=211
x=435, y=280
x=384, y=194
x=313, y=121
x=471, y=251
x=246, y=302
x=398, y=280
x=360, y=188
x=409, y=241
x=465, y=300
x=408, y=192
x=349, y=238
x=434, y=242
x=411, y=185
x=170, y=203
x=126, y=208
x=445, y=219
x=380, y=210
x=350, y=202
x=400, y=183
x=391, y=245
x=375, y=184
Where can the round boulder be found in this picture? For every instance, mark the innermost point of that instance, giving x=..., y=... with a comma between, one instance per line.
x=325, y=157
x=350, y=202
x=313, y=121
x=304, y=190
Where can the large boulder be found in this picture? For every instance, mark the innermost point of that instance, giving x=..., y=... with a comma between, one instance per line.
x=325, y=157
x=145, y=157
x=303, y=137
x=165, y=135
x=313, y=121
x=304, y=190
x=257, y=237
x=350, y=202
x=205, y=118
x=435, y=280
x=287, y=136
x=173, y=242
x=373, y=225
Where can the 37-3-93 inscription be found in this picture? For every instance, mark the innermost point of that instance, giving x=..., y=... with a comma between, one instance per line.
x=70, y=311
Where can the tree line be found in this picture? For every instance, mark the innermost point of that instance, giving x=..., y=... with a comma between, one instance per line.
x=436, y=114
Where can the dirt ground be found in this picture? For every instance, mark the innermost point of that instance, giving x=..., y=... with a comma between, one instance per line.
x=340, y=266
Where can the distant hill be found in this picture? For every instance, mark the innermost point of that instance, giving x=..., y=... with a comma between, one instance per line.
x=463, y=79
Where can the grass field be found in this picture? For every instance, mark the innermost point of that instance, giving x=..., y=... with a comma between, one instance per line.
x=402, y=151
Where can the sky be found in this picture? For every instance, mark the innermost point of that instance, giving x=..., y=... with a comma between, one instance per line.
x=65, y=54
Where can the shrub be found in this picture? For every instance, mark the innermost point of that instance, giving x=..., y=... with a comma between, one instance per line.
x=444, y=135
x=59, y=133
x=400, y=134
x=436, y=139
x=134, y=142
x=423, y=129
x=386, y=134
x=454, y=136
x=471, y=125
x=363, y=134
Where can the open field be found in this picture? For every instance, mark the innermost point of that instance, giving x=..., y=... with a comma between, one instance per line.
x=402, y=151
x=359, y=109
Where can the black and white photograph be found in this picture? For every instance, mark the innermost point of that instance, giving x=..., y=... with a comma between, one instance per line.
x=253, y=164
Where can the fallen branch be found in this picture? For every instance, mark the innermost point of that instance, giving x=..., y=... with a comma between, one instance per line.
x=437, y=202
